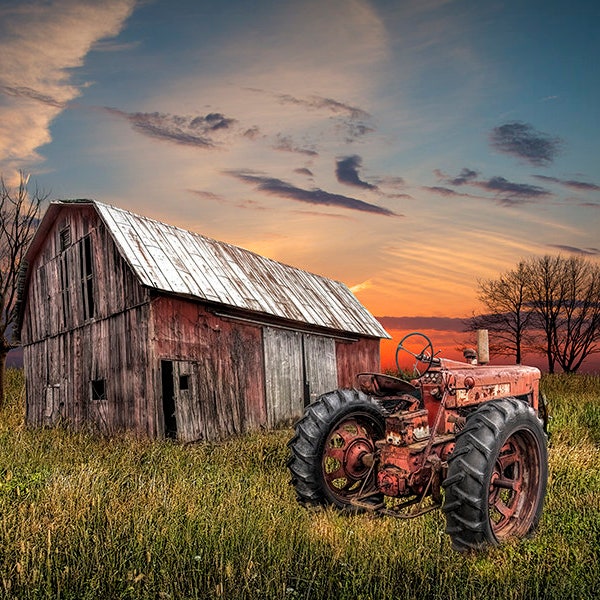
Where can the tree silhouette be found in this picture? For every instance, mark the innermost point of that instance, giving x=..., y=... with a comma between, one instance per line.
x=19, y=218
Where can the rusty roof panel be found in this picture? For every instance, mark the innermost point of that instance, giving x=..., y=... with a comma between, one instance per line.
x=174, y=260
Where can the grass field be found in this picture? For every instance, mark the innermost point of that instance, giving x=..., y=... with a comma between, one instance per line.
x=87, y=517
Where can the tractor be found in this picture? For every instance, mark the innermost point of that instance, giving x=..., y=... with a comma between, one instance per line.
x=468, y=438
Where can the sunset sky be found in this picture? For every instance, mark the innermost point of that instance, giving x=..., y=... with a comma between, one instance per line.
x=405, y=147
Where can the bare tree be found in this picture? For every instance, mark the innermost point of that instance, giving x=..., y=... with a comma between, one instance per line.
x=509, y=317
x=565, y=294
x=19, y=218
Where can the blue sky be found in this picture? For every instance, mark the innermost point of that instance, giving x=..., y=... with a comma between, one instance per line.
x=407, y=148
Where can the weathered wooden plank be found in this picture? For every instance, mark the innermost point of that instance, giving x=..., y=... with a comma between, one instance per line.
x=321, y=365
x=283, y=375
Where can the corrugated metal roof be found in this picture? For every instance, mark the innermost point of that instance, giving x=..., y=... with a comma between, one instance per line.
x=181, y=262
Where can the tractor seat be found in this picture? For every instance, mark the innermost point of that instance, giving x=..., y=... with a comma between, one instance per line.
x=378, y=384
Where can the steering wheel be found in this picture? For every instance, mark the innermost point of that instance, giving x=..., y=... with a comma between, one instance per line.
x=424, y=357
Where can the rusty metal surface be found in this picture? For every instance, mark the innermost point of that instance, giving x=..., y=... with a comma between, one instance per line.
x=177, y=261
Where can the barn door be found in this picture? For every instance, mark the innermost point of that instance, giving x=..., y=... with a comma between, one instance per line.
x=320, y=366
x=181, y=404
x=284, y=378
x=298, y=368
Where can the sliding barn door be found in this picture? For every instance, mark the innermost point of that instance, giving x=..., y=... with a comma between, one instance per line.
x=298, y=368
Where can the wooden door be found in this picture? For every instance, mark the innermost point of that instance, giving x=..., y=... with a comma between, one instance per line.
x=284, y=378
x=320, y=366
x=298, y=369
x=189, y=424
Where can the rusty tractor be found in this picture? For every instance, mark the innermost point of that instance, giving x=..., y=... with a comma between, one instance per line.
x=471, y=439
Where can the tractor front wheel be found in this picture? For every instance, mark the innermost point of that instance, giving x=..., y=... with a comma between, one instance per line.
x=332, y=450
x=497, y=475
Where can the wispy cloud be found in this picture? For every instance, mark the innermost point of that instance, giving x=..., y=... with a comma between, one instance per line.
x=37, y=59
x=283, y=189
x=444, y=191
x=576, y=250
x=318, y=103
x=465, y=176
x=198, y=131
x=31, y=94
x=507, y=193
x=354, y=122
x=285, y=143
x=346, y=171
x=510, y=193
x=570, y=183
x=524, y=141
x=304, y=171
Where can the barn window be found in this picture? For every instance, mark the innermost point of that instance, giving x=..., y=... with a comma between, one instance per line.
x=99, y=389
x=184, y=382
x=87, y=278
x=64, y=236
x=65, y=291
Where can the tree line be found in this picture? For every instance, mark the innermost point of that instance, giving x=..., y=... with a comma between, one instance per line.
x=547, y=305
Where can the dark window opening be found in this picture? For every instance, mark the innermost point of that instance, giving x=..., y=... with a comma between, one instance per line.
x=168, y=393
x=87, y=278
x=65, y=238
x=184, y=382
x=65, y=291
x=99, y=389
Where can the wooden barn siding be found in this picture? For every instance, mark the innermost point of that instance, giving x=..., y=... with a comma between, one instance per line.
x=230, y=371
x=66, y=364
x=356, y=357
x=67, y=351
x=115, y=287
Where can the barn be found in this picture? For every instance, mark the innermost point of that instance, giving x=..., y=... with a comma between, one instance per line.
x=131, y=324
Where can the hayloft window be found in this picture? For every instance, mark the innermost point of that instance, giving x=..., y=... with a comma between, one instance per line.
x=99, y=389
x=65, y=292
x=64, y=237
x=87, y=278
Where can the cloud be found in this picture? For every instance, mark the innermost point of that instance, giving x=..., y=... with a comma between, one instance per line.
x=508, y=193
x=443, y=191
x=319, y=103
x=570, y=183
x=198, y=131
x=41, y=43
x=575, y=250
x=31, y=94
x=513, y=190
x=363, y=285
x=207, y=195
x=523, y=141
x=352, y=121
x=304, y=171
x=346, y=171
x=423, y=323
x=284, y=143
x=465, y=176
x=277, y=187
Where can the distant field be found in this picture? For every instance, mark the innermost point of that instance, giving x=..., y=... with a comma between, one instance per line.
x=86, y=517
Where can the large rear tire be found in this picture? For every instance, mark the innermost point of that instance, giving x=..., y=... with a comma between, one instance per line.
x=497, y=476
x=336, y=432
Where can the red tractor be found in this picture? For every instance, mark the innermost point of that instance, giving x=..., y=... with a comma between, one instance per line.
x=476, y=431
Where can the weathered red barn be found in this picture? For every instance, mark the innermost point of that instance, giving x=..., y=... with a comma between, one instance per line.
x=131, y=324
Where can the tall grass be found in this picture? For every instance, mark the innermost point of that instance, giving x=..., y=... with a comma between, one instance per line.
x=87, y=517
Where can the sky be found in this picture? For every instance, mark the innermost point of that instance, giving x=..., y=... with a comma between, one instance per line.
x=409, y=148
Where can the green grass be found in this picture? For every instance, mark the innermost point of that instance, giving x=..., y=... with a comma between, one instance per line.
x=87, y=517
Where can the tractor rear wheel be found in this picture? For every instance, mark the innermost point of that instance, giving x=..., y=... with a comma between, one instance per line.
x=497, y=475
x=332, y=449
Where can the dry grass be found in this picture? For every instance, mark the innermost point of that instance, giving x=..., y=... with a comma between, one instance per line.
x=86, y=517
